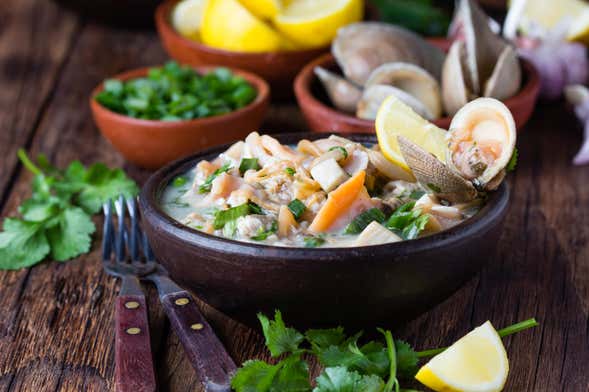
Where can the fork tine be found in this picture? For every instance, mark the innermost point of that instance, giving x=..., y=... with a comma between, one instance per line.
x=107, y=232
x=147, y=249
x=134, y=231
x=120, y=235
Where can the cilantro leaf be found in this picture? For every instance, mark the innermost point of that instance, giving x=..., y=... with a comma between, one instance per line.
x=407, y=360
x=323, y=338
x=97, y=184
x=22, y=244
x=279, y=338
x=340, y=379
x=71, y=235
x=290, y=374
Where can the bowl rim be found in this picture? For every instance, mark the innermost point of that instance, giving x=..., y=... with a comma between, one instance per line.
x=261, y=86
x=162, y=21
x=305, y=98
x=152, y=211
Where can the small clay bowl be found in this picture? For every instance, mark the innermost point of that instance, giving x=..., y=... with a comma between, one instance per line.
x=151, y=143
x=323, y=117
x=357, y=287
x=278, y=68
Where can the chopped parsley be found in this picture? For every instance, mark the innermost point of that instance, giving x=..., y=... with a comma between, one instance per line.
x=248, y=164
x=364, y=219
x=290, y=171
x=297, y=208
x=340, y=148
x=208, y=184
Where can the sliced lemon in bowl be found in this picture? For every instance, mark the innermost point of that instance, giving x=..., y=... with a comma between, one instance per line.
x=265, y=9
x=475, y=363
x=187, y=17
x=229, y=25
x=314, y=23
x=394, y=118
x=579, y=28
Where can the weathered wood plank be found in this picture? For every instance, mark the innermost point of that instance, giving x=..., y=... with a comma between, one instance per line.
x=35, y=36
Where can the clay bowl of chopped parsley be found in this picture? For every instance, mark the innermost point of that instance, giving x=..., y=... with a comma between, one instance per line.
x=354, y=286
x=156, y=115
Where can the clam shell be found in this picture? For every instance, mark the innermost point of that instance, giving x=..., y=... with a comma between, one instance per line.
x=483, y=120
x=433, y=174
x=374, y=96
x=483, y=46
x=456, y=88
x=360, y=48
x=412, y=79
x=507, y=76
x=344, y=95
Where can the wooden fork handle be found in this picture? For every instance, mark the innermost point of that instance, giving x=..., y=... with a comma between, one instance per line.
x=204, y=350
x=134, y=371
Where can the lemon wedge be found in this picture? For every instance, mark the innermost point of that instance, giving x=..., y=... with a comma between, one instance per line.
x=187, y=18
x=265, y=9
x=314, y=23
x=548, y=13
x=475, y=363
x=229, y=25
x=395, y=118
x=579, y=28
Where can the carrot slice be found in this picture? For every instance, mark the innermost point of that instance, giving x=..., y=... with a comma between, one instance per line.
x=338, y=201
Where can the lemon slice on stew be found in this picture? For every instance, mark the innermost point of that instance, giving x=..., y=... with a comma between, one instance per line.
x=475, y=363
x=394, y=118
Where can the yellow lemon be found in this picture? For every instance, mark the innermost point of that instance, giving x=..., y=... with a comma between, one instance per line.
x=228, y=25
x=548, y=13
x=187, y=17
x=266, y=9
x=314, y=23
x=395, y=118
x=475, y=363
x=579, y=28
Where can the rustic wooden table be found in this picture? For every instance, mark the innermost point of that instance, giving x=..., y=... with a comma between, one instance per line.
x=56, y=323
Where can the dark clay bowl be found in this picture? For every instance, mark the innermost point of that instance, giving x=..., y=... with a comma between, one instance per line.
x=323, y=117
x=278, y=68
x=361, y=286
x=151, y=143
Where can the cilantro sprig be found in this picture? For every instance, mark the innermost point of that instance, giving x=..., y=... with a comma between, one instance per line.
x=56, y=221
x=347, y=364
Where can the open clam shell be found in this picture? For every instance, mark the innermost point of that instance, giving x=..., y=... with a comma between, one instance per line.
x=374, y=96
x=483, y=46
x=507, y=76
x=444, y=182
x=412, y=79
x=344, y=94
x=360, y=48
x=481, y=141
x=456, y=87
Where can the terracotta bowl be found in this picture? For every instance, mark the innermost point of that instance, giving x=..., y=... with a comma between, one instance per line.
x=151, y=144
x=278, y=68
x=323, y=117
x=361, y=286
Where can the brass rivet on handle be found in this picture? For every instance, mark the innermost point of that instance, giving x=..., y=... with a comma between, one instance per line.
x=182, y=301
x=131, y=305
x=133, y=331
x=197, y=326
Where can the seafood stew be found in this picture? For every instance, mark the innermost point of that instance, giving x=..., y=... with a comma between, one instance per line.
x=334, y=192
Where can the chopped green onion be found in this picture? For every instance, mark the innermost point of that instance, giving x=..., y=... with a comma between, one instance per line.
x=255, y=209
x=297, y=208
x=225, y=216
x=314, y=242
x=416, y=195
x=343, y=150
x=264, y=234
x=179, y=181
x=290, y=171
x=248, y=164
x=208, y=184
x=407, y=222
x=364, y=219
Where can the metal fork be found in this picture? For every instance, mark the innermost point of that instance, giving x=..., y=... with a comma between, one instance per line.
x=206, y=353
x=134, y=370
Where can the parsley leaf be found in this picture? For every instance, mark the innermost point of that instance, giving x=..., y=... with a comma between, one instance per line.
x=406, y=360
x=290, y=374
x=407, y=222
x=340, y=379
x=56, y=220
x=279, y=338
x=71, y=235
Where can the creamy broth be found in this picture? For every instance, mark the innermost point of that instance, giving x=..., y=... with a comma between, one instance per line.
x=332, y=192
